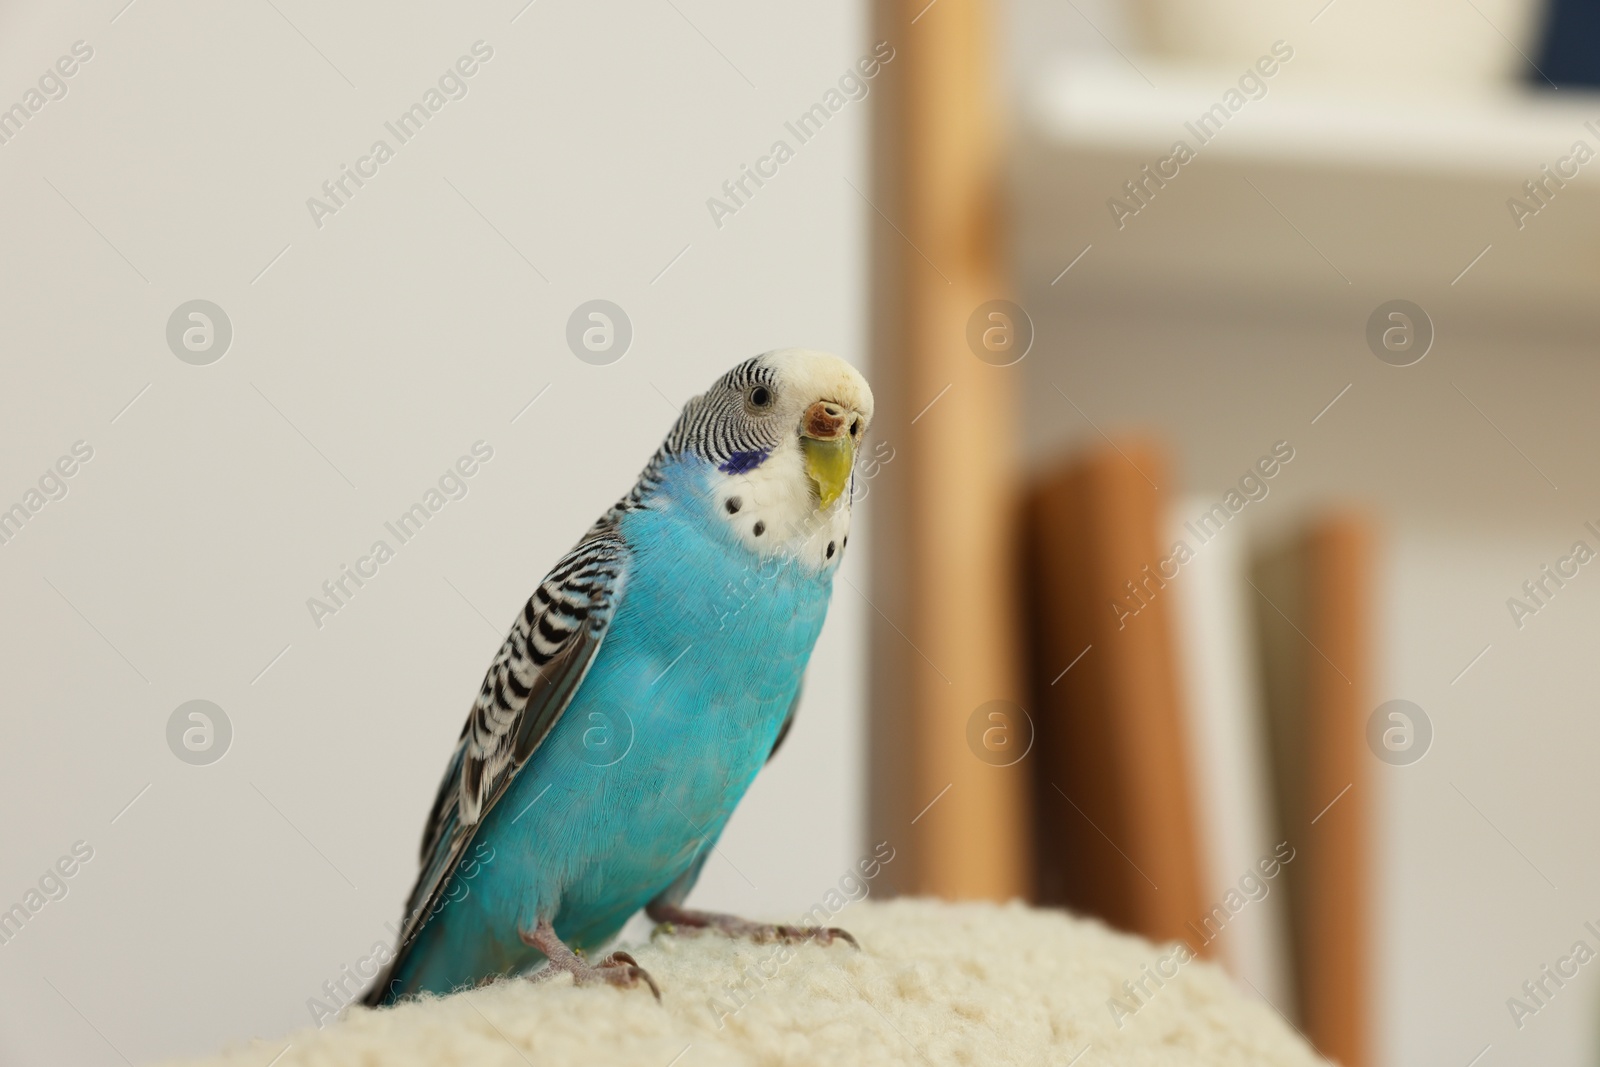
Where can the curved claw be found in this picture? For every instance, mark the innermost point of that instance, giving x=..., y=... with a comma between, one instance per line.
x=619, y=968
x=637, y=974
x=844, y=935
x=631, y=972
x=823, y=935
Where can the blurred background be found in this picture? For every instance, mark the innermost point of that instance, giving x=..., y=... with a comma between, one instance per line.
x=1221, y=568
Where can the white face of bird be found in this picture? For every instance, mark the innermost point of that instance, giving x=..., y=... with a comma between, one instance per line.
x=790, y=423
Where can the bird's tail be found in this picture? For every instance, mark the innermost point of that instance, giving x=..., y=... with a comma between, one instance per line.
x=381, y=993
x=392, y=981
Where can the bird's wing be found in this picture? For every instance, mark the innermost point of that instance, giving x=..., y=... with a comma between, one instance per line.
x=530, y=683
x=788, y=720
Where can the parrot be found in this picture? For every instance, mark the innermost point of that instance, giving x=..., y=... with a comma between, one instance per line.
x=647, y=680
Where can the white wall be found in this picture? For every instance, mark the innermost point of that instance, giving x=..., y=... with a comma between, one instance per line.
x=1487, y=869
x=374, y=352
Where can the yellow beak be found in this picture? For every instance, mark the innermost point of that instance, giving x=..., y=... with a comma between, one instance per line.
x=829, y=464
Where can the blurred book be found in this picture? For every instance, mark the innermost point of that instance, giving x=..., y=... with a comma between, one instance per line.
x=1314, y=621
x=1114, y=816
x=1219, y=667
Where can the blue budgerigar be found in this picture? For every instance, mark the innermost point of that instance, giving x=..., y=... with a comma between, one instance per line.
x=650, y=676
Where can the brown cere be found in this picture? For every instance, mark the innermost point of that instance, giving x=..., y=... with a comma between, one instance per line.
x=824, y=420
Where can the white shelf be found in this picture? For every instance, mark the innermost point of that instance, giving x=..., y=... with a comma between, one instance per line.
x=1303, y=194
x=1107, y=105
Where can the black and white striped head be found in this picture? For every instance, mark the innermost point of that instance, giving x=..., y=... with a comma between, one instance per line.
x=781, y=432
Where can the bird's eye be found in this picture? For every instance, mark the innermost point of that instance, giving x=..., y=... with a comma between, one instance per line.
x=760, y=396
x=855, y=427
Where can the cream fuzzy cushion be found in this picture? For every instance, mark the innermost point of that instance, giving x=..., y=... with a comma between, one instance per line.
x=933, y=984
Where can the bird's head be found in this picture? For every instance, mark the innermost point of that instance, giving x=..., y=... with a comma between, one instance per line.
x=781, y=432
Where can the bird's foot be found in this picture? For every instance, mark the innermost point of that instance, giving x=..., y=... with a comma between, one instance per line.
x=618, y=969
x=670, y=918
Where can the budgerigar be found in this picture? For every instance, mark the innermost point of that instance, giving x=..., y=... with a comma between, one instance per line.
x=649, y=677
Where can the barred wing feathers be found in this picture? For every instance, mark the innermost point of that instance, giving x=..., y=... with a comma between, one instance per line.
x=529, y=685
